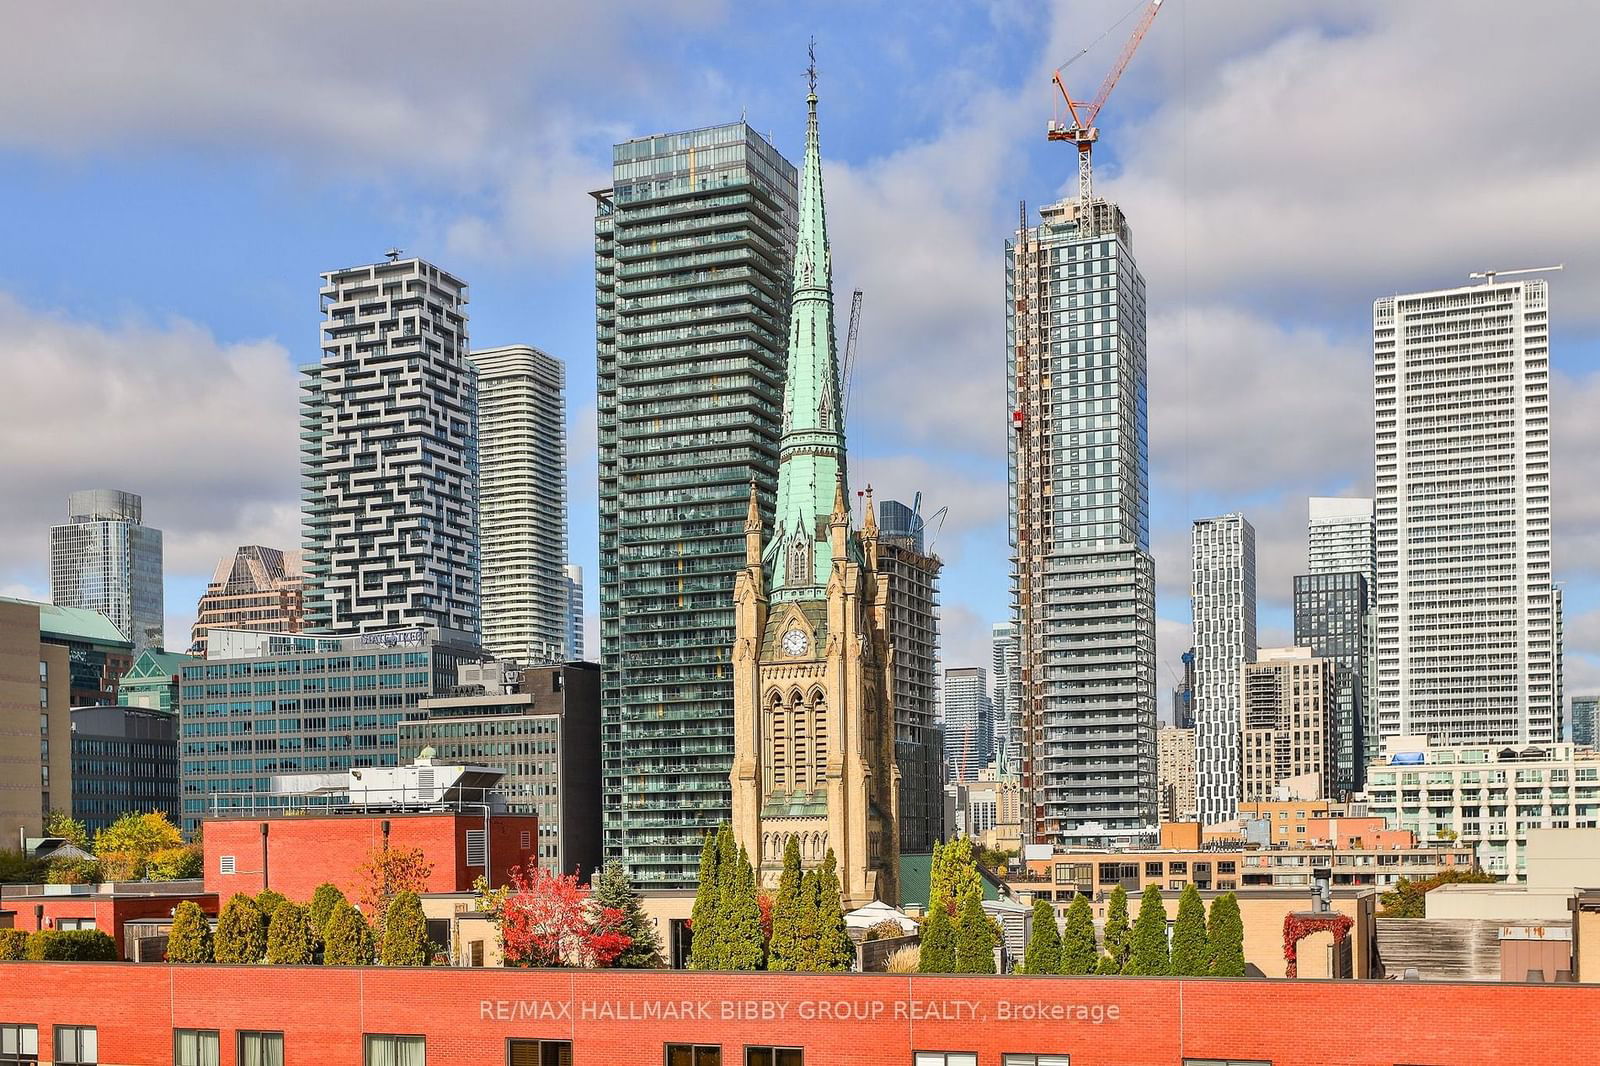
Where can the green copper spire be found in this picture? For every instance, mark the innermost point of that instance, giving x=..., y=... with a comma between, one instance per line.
x=811, y=464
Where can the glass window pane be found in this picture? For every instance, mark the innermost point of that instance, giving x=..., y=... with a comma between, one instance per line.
x=758, y=1056
x=789, y=1056
x=708, y=1056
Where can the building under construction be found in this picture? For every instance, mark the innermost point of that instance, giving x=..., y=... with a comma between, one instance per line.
x=1083, y=577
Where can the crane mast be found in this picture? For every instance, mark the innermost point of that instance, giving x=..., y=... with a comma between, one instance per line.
x=1082, y=131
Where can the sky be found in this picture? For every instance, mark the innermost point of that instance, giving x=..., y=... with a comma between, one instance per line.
x=176, y=175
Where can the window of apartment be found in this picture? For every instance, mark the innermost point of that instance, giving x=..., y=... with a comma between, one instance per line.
x=19, y=1045
x=1152, y=869
x=196, y=1047
x=78, y=1045
x=694, y=1055
x=945, y=1058
x=383, y=1049
x=66, y=924
x=1176, y=868
x=774, y=1056
x=260, y=1049
x=538, y=1053
x=1033, y=1060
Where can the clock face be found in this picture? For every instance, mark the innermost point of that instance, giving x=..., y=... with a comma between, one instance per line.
x=795, y=642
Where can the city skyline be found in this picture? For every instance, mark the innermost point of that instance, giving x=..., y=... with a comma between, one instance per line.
x=69, y=324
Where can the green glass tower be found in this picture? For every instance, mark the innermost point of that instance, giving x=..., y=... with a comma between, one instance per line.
x=692, y=265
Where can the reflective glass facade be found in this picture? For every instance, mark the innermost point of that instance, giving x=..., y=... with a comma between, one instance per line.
x=1333, y=617
x=105, y=559
x=692, y=246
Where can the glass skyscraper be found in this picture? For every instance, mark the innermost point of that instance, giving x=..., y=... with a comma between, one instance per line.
x=1083, y=577
x=692, y=249
x=913, y=576
x=1333, y=617
x=106, y=559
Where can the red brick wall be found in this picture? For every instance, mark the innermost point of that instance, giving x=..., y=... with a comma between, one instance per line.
x=110, y=915
x=618, y=1018
x=304, y=852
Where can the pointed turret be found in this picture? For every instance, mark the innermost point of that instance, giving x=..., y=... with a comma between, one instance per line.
x=752, y=529
x=811, y=462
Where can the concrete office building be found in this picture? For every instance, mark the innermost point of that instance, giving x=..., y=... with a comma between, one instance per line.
x=692, y=249
x=1287, y=696
x=1082, y=574
x=544, y=733
x=1223, y=596
x=913, y=576
x=265, y=704
x=1007, y=694
x=574, y=577
x=1488, y=795
x=389, y=455
x=968, y=722
x=98, y=656
x=522, y=503
x=1175, y=773
x=257, y=588
x=106, y=559
x=1584, y=711
x=1333, y=618
x=124, y=761
x=1466, y=610
x=35, y=727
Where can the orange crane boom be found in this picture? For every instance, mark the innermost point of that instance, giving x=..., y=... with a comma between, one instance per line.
x=1083, y=132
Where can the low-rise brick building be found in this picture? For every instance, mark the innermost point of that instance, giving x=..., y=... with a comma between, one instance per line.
x=455, y=1017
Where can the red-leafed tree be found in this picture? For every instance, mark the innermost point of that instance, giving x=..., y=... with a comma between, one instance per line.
x=765, y=903
x=550, y=920
x=387, y=873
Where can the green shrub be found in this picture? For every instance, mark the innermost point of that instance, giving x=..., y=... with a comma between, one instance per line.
x=268, y=900
x=323, y=901
x=938, y=954
x=349, y=939
x=241, y=935
x=13, y=945
x=976, y=937
x=289, y=936
x=1079, y=953
x=1191, y=952
x=190, y=937
x=72, y=872
x=1150, y=955
x=405, y=932
x=72, y=945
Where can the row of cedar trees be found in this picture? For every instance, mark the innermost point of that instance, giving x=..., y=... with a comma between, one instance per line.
x=736, y=928
x=1199, y=948
x=958, y=936
x=271, y=928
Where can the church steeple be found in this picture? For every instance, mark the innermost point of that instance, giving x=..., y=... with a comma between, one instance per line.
x=811, y=463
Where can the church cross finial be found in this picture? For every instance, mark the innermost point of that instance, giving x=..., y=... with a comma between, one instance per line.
x=811, y=67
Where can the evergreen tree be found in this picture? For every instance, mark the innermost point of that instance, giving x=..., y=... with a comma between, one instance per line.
x=323, y=901
x=348, y=939
x=1191, y=955
x=703, y=954
x=289, y=940
x=1150, y=956
x=1043, y=954
x=267, y=901
x=938, y=883
x=741, y=943
x=976, y=937
x=1225, y=938
x=835, y=951
x=190, y=937
x=1079, y=954
x=241, y=935
x=938, y=942
x=1106, y=966
x=808, y=937
x=788, y=949
x=405, y=932
x=953, y=874
x=613, y=889
x=1117, y=935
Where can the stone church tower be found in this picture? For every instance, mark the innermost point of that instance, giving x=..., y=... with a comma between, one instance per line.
x=813, y=751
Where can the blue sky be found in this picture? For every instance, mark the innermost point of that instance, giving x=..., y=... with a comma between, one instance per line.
x=181, y=173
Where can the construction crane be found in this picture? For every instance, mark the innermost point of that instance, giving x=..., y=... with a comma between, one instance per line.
x=850, y=351
x=1083, y=132
x=1490, y=275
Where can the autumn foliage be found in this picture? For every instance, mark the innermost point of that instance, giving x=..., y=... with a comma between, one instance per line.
x=550, y=920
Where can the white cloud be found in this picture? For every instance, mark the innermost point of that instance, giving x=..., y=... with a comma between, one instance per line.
x=473, y=96
x=205, y=431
